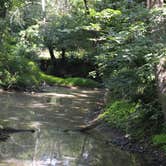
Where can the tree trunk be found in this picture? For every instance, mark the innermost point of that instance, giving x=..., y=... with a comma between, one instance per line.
x=86, y=6
x=63, y=54
x=3, y=9
x=3, y=13
x=43, y=2
x=51, y=51
x=161, y=83
x=154, y=3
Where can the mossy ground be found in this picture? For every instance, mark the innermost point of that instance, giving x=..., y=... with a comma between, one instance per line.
x=72, y=81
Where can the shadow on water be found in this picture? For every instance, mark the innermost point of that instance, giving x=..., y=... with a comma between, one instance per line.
x=49, y=113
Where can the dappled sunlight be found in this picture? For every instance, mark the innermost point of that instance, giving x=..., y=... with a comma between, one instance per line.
x=50, y=113
x=35, y=124
x=80, y=95
x=91, y=91
x=13, y=118
x=37, y=105
x=55, y=106
x=54, y=95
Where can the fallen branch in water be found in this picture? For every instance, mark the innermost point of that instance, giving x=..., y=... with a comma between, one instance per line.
x=91, y=125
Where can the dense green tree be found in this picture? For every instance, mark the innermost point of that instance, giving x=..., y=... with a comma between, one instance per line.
x=69, y=33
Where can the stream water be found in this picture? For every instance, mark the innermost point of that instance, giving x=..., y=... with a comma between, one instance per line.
x=49, y=113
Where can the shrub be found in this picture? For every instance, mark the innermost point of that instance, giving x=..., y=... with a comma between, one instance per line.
x=118, y=113
x=160, y=140
x=146, y=121
x=82, y=82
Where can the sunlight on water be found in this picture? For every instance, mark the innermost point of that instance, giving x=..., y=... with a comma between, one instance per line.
x=50, y=113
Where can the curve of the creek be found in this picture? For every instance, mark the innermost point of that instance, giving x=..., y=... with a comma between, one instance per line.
x=51, y=112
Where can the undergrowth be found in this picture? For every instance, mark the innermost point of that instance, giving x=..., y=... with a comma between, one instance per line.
x=72, y=81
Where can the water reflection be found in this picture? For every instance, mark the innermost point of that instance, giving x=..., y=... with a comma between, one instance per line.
x=49, y=113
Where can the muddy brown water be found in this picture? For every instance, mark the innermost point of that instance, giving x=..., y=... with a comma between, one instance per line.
x=49, y=113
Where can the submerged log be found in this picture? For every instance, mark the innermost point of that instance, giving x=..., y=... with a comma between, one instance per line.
x=91, y=125
x=12, y=130
x=5, y=132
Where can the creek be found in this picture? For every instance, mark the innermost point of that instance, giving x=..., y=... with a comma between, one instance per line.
x=51, y=112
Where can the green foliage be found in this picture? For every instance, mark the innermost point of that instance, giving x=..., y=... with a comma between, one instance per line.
x=133, y=43
x=52, y=80
x=18, y=71
x=67, y=34
x=29, y=77
x=160, y=140
x=138, y=120
x=81, y=82
x=7, y=79
x=117, y=113
x=146, y=121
